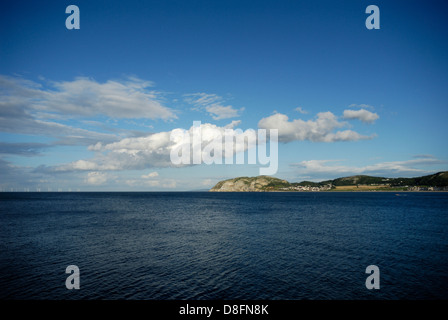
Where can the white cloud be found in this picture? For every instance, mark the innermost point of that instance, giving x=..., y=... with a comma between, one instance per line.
x=14, y=118
x=361, y=106
x=27, y=107
x=202, y=99
x=300, y=110
x=172, y=184
x=154, y=150
x=321, y=129
x=129, y=98
x=96, y=178
x=152, y=183
x=233, y=124
x=142, y=183
x=219, y=112
x=89, y=165
x=150, y=175
x=362, y=114
x=213, y=104
x=326, y=168
x=84, y=165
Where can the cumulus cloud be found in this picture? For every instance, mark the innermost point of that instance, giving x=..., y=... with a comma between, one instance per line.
x=322, y=129
x=362, y=114
x=154, y=150
x=213, y=104
x=96, y=178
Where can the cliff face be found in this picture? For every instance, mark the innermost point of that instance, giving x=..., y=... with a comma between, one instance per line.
x=260, y=184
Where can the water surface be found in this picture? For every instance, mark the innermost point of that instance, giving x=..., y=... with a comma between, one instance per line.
x=199, y=245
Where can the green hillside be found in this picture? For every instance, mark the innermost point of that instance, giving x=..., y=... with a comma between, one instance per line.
x=352, y=183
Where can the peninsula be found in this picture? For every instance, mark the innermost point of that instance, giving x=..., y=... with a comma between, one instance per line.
x=433, y=182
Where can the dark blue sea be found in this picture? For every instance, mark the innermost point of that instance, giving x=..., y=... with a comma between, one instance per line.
x=219, y=246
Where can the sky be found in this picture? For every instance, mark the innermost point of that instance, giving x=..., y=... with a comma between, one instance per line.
x=94, y=108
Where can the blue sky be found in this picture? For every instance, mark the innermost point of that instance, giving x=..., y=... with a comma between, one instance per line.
x=91, y=109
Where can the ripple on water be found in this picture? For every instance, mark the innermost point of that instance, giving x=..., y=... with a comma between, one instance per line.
x=223, y=246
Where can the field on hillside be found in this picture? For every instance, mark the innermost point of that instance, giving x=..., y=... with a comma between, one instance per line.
x=361, y=188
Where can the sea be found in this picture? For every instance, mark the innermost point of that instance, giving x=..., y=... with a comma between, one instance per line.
x=224, y=246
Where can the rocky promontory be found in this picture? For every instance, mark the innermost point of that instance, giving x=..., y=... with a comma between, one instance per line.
x=240, y=184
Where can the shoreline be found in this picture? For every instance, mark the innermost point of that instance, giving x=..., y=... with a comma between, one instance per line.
x=332, y=191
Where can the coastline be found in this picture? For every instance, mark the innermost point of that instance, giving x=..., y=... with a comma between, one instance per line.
x=330, y=191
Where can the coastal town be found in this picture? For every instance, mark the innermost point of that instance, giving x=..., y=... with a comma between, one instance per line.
x=373, y=187
x=326, y=187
